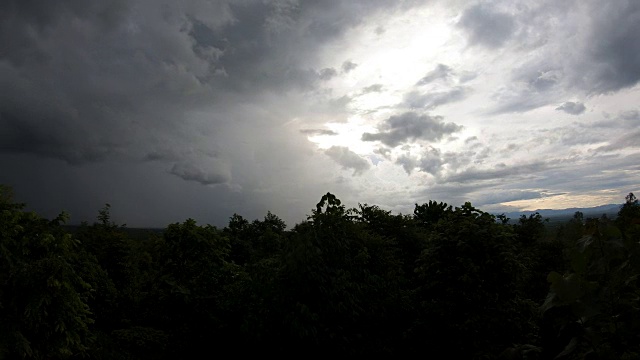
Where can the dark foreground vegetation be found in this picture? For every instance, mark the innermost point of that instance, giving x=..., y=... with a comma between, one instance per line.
x=443, y=283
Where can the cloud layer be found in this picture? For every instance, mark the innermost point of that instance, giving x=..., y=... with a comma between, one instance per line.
x=207, y=108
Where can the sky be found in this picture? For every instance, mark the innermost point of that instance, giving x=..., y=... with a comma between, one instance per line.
x=176, y=109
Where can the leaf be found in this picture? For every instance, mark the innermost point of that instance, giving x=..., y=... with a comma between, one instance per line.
x=571, y=346
x=584, y=242
x=553, y=277
x=631, y=279
x=567, y=288
x=549, y=302
x=612, y=232
x=579, y=263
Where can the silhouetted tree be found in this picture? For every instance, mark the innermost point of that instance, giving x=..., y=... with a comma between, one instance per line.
x=43, y=299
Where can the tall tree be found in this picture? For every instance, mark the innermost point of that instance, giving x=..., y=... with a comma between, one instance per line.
x=43, y=298
x=469, y=306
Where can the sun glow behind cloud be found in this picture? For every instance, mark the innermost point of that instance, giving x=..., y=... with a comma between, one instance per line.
x=488, y=102
x=391, y=53
x=394, y=52
x=347, y=134
x=565, y=201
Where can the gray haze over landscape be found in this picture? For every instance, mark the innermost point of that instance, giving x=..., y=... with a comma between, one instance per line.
x=200, y=109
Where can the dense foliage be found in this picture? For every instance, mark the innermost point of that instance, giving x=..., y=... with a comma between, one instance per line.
x=443, y=282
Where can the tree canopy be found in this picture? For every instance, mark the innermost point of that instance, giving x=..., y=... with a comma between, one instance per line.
x=443, y=282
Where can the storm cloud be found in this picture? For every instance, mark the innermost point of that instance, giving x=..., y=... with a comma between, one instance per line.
x=411, y=126
x=83, y=90
x=204, y=108
x=127, y=76
x=198, y=173
x=612, y=48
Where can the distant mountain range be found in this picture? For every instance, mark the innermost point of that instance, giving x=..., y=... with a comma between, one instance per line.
x=611, y=210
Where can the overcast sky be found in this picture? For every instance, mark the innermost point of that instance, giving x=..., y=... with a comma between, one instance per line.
x=199, y=109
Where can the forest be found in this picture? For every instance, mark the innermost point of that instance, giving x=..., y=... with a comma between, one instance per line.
x=444, y=282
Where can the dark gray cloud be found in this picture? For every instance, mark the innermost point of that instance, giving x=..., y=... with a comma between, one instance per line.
x=612, y=48
x=581, y=55
x=348, y=159
x=595, y=54
x=269, y=43
x=121, y=101
x=430, y=162
x=441, y=71
x=411, y=126
x=573, y=108
x=141, y=194
x=487, y=26
x=318, y=132
x=199, y=173
x=82, y=90
x=92, y=80
x=204, y=167
x=327, y=73
x=429, y=101
x=161, y=85
x=348, y=65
